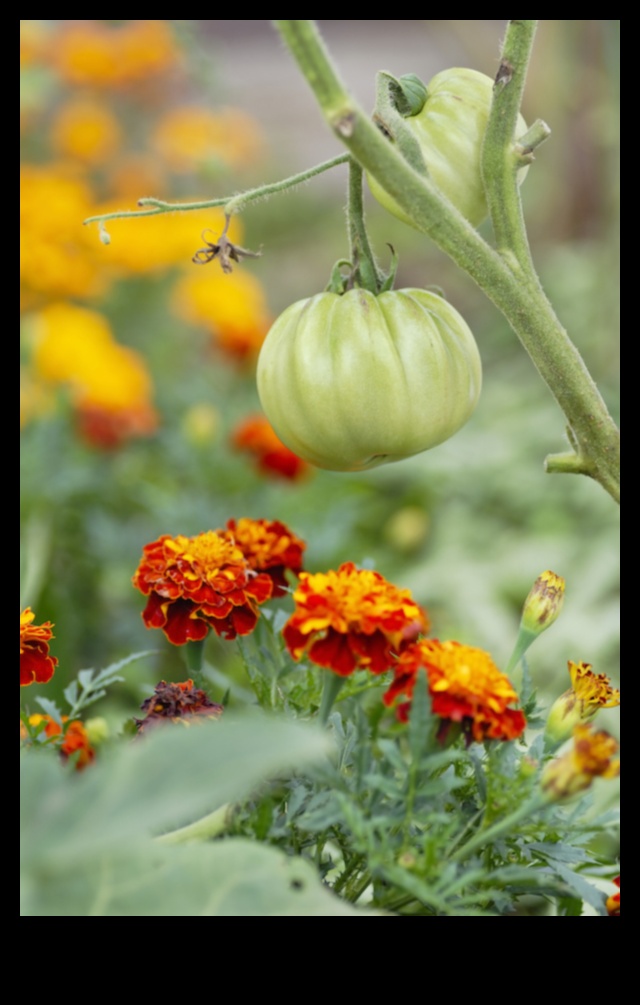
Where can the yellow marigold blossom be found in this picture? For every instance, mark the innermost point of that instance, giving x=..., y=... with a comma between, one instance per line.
x=153, y=243
x=36, y=665
x=233, y=306
x=110, y=385
x=86, y=129
x=592, y=756
x=32, y=42
x=197, y=583
x=191, y=136
x=89, y=52
x=465, y=686
x=58, y=257
x=268, y=546
x=589, y=692
x=350, y=619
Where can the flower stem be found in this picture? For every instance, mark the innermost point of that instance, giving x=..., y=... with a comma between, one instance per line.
x=505, y=275
x=330, y=689
x=367, y=274
x=508, y=823
x=193, y=654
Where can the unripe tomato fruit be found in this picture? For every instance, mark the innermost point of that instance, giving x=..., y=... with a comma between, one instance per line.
x=450, y=129
x=355, y=380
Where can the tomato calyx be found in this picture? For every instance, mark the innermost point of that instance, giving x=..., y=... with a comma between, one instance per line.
x=340, y=281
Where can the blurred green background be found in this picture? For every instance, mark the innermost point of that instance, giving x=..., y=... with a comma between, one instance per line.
x=467, y=526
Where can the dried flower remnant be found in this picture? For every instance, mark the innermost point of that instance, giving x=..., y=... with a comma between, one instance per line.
x=36, y=665
x=592, y=756
x=180, y=702
x=197, y=583
x=222, y=249
x=352, y=619
x=256, y=435
x=466, y=687
x=589, y=692
x=268, y=546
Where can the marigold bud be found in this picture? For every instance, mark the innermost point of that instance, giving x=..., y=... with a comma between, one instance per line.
x=544, y=603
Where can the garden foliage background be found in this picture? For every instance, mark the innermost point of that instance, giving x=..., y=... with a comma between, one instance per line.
x=130, y=420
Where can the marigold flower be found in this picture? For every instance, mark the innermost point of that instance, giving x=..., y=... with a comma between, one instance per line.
x=92, y=53
x=176, y=702
x=85, y=129
x=613, y=902
x=197, y=583
x=232, y=305
x=592, y=756
x=351, y=619
x=75, y=740
x=589, y=692
x=255, y=435
x=465, y=686
x=268, y=546
x=190, y=137
x=36, y=665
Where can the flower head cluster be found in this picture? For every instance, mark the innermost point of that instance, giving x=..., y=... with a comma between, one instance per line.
x=589, y=692
x=197, y=583
x=465, y=686
x=255, y=435
x=75, y=739
x=268, y=546
x=178, y=702
x=592, y=756
x=36, y=665
x=613, y=902
x=351, y=619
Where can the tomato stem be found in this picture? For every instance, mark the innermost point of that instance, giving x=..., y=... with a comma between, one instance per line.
x=506, y=275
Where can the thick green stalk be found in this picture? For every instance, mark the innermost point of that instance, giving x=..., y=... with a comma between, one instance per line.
x=516, y=292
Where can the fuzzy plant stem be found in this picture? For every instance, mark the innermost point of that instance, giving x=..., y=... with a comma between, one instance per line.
x=505, y=274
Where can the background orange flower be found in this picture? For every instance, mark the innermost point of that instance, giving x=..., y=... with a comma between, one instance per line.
x=255, y=435
x=36, y=666
x=352, y=618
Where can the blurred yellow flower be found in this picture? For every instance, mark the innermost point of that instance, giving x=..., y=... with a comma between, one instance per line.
x=58, y=257
x=88, y=52
x=86, y=129
x=110, y=385
x=233, y=306
x=152, y=243
x=191, y=136
x=134, y=175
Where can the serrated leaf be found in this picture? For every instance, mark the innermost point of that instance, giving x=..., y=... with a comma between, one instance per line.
x=50, y=708
x=581, y=887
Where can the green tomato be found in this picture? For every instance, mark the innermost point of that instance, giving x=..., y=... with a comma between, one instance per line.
x=355, y=380
x=450, y=129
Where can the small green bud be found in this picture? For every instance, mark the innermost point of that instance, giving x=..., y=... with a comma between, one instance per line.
x=544, y=603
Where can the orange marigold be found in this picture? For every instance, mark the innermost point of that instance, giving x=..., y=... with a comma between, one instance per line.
x=592, y=756
x=176, y=702
x=255, y=435
x=350, y=619
x=465, y=686
x=197, y=583
x=613, y=902
x=75, y=739
x=91, y=53
x=268, y=546
x=36, y=666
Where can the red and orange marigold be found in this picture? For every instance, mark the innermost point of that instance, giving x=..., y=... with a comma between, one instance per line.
x=197, y=583
x=36, y=665
x=256, y=436
x=351, y=619
x=465, y=686
x=268, y=546
x=75, y=739
x=613, y=902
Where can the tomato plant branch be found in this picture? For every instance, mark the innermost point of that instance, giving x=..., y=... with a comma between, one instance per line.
x=232, y=204
x=498, y=274
x=368, y=274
